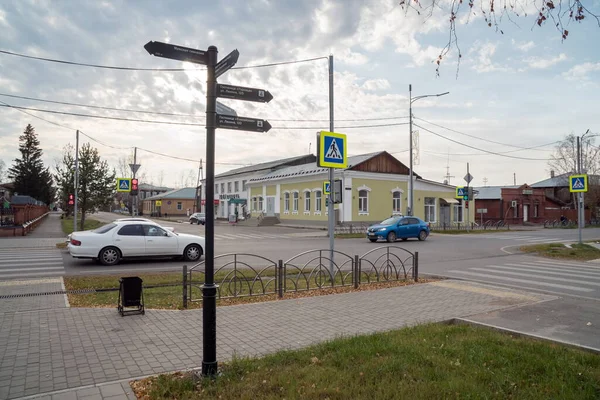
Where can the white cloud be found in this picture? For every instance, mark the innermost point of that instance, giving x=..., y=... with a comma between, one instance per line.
x=581, y=72
x=543, y=63
x=523, y=46
x=376, y=84
x=483, y=61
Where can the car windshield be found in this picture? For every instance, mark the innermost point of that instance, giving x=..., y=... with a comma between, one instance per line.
x=390, y=221
x=105, y=228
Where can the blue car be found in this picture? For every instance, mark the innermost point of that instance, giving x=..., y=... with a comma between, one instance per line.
x=398, y=228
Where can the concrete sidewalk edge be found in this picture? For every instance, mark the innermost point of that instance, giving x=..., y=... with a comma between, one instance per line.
x=466, y=321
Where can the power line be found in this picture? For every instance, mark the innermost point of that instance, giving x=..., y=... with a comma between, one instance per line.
x=488, y=140
x=476, y=148
x=104, y=144
x=186, y=159
x=186, y=115
x=185, y=123
x=151, y=69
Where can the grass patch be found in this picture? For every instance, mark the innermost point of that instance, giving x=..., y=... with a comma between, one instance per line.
x=90, y=223
x=578, y=251
x=350, y=236
x=171, y=297
x=432, y=361
x=471, y=232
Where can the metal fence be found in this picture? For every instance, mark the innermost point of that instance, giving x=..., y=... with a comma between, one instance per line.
x=458, y=226
x=247, y=275
x=7, y=216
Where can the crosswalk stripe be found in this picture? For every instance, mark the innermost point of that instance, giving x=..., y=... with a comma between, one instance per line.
x=557, y=268
x=543, y=271
x=569, y=264
x=22, y=260
x=549, y=278
x=525, y=281
x=25, y=265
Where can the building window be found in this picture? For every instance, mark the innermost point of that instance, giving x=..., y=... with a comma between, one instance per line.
x=179, y=205
x=535, y=211
x=396, y=203
x=363, y=201
x=228, y=187
x=318, y=204
x=260, y=203
x=295, y=204
x=286, y=202
x=236, y=186
x=516, y=211
x=222, y=188
x=254, y=204
x=307, y=202
x=429, y=209
x=244, y=185
x=458, y=212
x=216, y=188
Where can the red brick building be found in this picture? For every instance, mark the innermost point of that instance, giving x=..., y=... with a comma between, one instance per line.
x=519, y=205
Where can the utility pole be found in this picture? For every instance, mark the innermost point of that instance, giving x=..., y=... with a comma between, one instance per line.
x=330, y=207
x=76, y=184
x=468, y=212
x=514, y=178
x=197, y=188
x=134, y=198
x=410, y=152
x=580, y=215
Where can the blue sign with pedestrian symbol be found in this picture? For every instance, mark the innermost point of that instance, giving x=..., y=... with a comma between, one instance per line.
x=332, y=150
x=326, y=187
x=123, y=184
x=461, y=192
x=578, y=183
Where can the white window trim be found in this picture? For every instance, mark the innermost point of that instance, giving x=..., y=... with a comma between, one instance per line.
x=368, y=189
x=284, y=193
x=397, y=189
x=295, y=212
x=318, y=190
x=317, y=213
x=435, y=209
x=306, y=212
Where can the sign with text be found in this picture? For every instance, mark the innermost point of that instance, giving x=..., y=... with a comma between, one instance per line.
x=167, y=50
x=244, y=93
x=242, y=123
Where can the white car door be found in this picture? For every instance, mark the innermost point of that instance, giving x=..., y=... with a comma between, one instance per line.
x=130, y=239
x=159, y=241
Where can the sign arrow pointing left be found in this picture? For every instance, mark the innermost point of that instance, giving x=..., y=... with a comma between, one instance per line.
x=167, y=50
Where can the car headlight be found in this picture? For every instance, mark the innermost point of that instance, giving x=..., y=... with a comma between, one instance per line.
x=381, y=229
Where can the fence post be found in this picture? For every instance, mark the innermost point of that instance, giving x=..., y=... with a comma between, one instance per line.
x=356, y=271
x=416, y=267
x=281, y=279
x=185, y=294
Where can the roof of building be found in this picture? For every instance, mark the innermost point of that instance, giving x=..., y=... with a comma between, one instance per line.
x=492, y=192
x=557, y=181
x=21, y=199
x=312, y=168
x=147, y=186
x=188, y=193
x=265, y=166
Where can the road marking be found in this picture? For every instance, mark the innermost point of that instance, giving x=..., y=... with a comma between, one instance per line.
x=29, y=269
x=540, y=270
x=490, y=268
x=35, y=275
x=557, y=268
x=16, y=262
x=508, y=279
x=569, y=264
x=475, y=289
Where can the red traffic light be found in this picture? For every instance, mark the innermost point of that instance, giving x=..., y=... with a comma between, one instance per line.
x=134, y=184
x=71, y=200
x=466, y=204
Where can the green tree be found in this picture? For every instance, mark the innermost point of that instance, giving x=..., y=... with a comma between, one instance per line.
x=28, y=173
x=96, y=187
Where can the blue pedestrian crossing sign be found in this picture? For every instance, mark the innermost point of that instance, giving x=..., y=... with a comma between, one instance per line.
x=461, y=192
x=123, y=185
x=326, y=187
x=578, y=183
x=333, y=150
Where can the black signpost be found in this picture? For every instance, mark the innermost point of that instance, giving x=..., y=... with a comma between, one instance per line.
x=244, y=93
x=213, y=121
x=242, y=123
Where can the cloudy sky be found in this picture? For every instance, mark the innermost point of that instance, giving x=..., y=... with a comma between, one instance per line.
x=521, y=88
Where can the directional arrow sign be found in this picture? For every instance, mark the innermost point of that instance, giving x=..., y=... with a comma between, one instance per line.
x=226, y=63
x=244, y=93
x=223, y=109
x=173, y=52
x=242, y=123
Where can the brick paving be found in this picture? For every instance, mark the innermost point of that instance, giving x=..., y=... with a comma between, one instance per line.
x=94, y=351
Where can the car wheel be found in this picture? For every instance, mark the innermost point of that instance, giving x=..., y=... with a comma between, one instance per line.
x=391, y=237
x=404, y=239
x=109, y=256
x=422, y=235
x=372, y=240
x=191, y=222
x=198, y=223
x=192, y=253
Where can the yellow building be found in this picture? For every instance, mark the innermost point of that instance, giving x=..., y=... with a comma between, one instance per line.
x=375, y=186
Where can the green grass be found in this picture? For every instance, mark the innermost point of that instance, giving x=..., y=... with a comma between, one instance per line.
x=432, y=361
x=90, y=223
x=350, y=235
x=471, y=232
x=558, y=250
x=171, y=297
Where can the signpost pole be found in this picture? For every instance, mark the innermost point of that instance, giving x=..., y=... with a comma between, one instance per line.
x=579, y=195
x=330, y=207
x=76, y=184
x=468, y=212
x=209, y=289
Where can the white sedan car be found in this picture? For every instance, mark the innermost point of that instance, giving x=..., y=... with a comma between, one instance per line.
x=121, y=239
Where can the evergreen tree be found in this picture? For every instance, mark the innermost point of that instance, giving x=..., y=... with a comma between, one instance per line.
x=96, y=187
x=29, y=175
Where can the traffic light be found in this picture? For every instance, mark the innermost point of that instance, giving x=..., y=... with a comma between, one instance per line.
x=134, y=187
x=467, y=204
x=71, y=200
x=470, y=193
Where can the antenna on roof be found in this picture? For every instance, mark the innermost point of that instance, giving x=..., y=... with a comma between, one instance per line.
x=309, y=145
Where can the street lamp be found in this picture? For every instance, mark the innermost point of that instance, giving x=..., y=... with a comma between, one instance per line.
x=410, y=182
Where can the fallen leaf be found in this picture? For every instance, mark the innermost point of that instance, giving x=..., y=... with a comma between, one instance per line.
x=589, y=324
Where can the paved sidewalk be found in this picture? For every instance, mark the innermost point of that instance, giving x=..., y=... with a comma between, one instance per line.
x=48, y=351
x=50, y=227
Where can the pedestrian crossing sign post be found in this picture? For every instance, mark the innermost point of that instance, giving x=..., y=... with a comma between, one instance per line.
x=123, y=184
x=578, y=183
x=332, y=150
x=326, y=187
